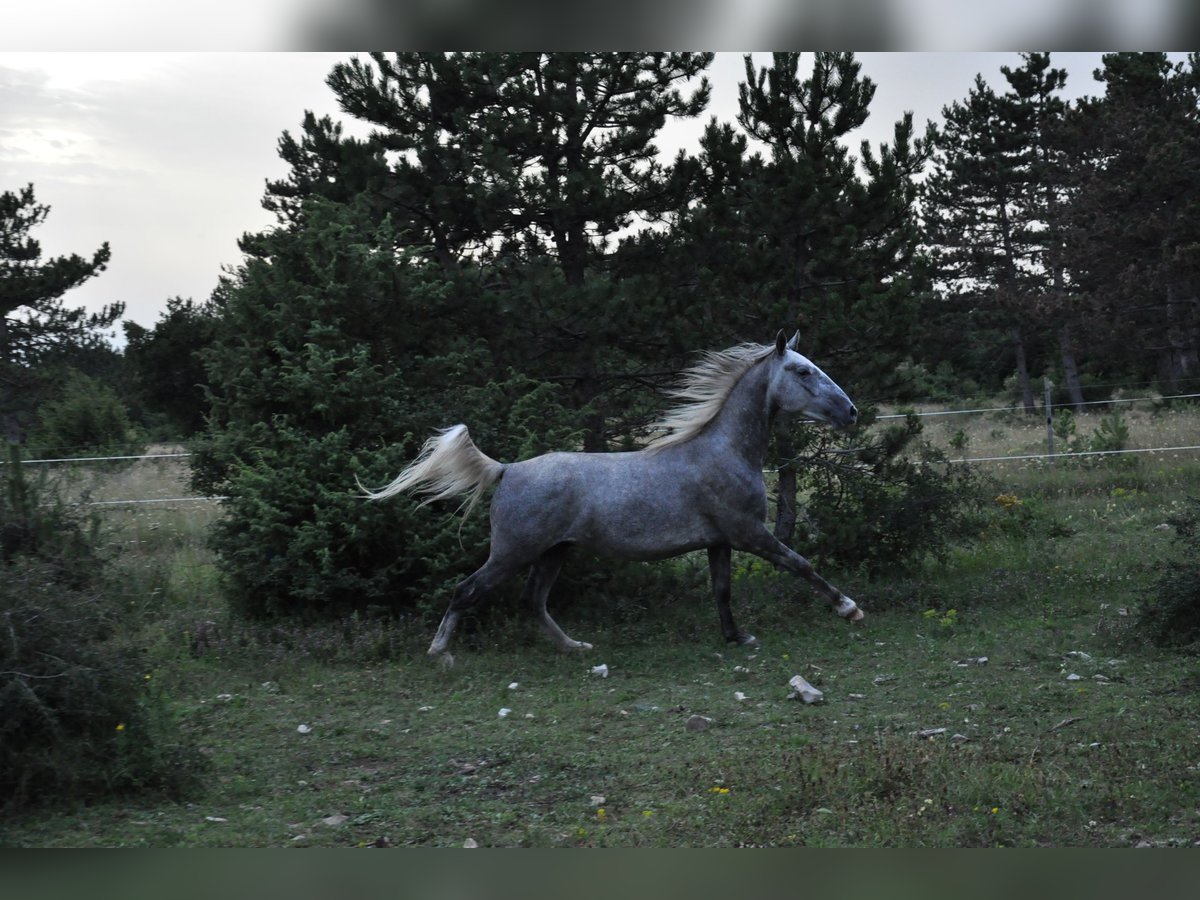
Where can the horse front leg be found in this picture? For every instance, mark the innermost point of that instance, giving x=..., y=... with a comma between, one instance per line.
x=762, y=543
x=719, y=567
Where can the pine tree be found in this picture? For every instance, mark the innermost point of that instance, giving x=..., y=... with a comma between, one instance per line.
x=167, y=369
x=1038, y=113
x=974, y=198
x=519, y=159
x=1133, y=242
x=34, y=321
x=836, y=249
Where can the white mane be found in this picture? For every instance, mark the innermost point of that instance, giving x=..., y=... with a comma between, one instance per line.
x=703, y=390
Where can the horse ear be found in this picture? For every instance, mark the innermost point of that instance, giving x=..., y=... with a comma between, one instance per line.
x=780, y=343
x=794, y=343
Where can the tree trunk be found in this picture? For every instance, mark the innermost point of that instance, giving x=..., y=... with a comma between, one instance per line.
x=1070, y=368
x=1023, y=383
x=10, y=428
x=1179, y=362
x=785, y=505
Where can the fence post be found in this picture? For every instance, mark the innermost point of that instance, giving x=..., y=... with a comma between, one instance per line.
x=1047, y=384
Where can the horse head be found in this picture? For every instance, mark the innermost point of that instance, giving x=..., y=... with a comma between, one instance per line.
x=798, y=387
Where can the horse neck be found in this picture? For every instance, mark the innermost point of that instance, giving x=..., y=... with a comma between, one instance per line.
x=744, y=422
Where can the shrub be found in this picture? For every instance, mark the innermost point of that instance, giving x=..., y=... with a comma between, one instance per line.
x=86, y=418
x=1172, y=616
x=887, y=503
x=78, y=715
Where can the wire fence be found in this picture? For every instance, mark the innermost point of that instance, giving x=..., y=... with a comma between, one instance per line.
x=924, y=414
x=999, y=409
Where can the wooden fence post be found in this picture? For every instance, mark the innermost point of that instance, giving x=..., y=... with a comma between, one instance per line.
x=1047, y=384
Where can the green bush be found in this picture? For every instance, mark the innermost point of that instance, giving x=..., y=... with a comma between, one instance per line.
x=85, y=418
x=1172, y=616
x=333, y=360
x=79, y=716
x=884, y=501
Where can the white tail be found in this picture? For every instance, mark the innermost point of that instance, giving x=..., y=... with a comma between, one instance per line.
x=448, y=465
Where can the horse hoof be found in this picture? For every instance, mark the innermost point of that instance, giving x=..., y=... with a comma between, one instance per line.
x=443, y=658
x=858, y=616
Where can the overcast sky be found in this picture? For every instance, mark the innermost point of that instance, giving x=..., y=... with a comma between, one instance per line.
x=165, y=155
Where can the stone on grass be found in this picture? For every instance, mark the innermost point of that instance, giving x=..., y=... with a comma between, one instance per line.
x=698, y=723
x=803, y=690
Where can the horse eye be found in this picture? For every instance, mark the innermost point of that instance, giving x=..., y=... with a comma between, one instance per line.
x=803, y=372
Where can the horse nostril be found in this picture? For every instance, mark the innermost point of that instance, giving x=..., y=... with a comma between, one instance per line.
x=853, y=412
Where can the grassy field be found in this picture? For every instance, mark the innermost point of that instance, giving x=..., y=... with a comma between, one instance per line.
x=1004, y=698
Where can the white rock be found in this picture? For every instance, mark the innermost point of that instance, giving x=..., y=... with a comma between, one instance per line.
x=600, y=670
x=597, y=799
x=804, y=690
x=470, y=844
x=336, y=820
x=739, y=696
x=514, y=685
x=1074, y=677
x=215, y=819
x=304, y=729
x=740, y=669
x=504, y=712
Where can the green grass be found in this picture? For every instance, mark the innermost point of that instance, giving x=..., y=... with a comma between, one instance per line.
x=404, y=752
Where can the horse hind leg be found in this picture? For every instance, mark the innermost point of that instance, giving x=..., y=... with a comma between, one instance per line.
x=537, y=589
x=719, y=565
x=468, y=593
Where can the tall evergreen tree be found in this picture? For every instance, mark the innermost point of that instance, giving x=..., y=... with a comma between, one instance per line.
x=1133, y=243
x=167, y=369
x=806, y=235
x=533, y=157
x=34, y=320
x=1037, y=112
x=836, y=249
x=974, y=197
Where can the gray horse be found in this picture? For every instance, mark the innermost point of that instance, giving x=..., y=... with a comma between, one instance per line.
x=698, y=485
